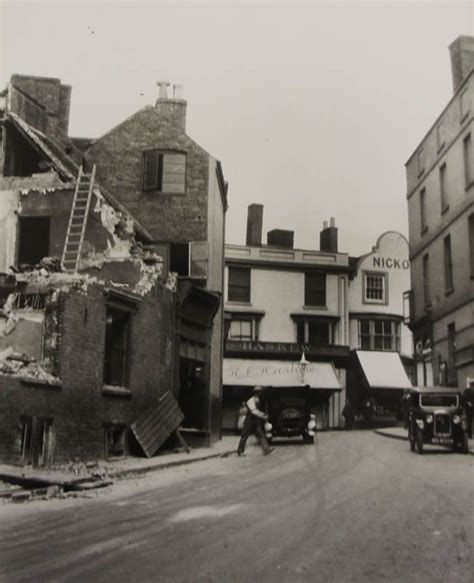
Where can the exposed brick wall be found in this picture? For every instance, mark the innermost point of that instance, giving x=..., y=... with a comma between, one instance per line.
x=118, y=155
x=79, y=408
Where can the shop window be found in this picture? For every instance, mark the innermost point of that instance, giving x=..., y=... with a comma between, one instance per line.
x=114, y=440
x=164, y=171
x=448, y=265
x=33, y=240
x=36, y=435
x=468, y=161
x=375, y=288
x=316, y=332
x=117, y=346
x=239, y=284
x=189, y=259
x=315, y=289
x=379, y=335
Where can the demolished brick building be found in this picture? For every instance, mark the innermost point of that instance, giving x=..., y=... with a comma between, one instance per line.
x=97, y=325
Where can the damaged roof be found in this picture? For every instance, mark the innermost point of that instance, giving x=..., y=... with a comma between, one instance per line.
x=66, y=166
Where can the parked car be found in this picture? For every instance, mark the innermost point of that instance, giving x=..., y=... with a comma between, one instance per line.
x=436, y=416
x=289, y=413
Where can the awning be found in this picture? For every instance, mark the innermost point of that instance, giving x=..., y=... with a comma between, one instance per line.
x=383, y=370
x=280, y=373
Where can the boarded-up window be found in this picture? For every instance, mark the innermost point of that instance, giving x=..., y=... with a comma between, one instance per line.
x=164, y=171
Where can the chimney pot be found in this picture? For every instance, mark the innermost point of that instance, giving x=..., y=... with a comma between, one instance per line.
x=177, y=92
x=333, y=222
x=325, y=224
x=163, y=85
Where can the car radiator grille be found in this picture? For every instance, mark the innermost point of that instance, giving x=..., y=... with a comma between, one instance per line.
x=442, y=424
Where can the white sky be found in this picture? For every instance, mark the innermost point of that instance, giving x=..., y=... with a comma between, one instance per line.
x=313, y=108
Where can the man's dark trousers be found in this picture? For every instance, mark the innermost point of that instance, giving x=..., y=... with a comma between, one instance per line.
x=252, y=424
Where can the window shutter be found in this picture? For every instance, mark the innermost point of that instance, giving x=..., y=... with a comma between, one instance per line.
x=198, y=266
x=174, y=173
x=151, y=170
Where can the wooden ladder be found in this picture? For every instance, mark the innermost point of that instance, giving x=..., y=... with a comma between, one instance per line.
x=78, y=220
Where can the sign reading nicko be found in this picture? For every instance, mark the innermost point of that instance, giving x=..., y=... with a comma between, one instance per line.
x=391, y=263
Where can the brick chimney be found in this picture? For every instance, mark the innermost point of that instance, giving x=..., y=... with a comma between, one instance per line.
x=254, y=225
x=281, y=238
x=462, y=59
x=328, y=237
x=46, y=97
x=173, y=109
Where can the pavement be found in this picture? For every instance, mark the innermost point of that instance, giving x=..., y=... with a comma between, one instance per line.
x=102, y=471
x=401, y=433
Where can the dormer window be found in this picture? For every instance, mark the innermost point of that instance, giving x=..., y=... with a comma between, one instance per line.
x=164, y=172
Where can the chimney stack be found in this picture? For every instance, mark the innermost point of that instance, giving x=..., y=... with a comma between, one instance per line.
x=172, y=109
x=281, y=238
x=462, y=59
x=254, y=225
x=328, y=237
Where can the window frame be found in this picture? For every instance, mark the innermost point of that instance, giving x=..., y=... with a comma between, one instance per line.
x=425, y=266
x=468, y=162
x=384, y=276
x=372, y=335
x=442, y=188
x=191, y=259
x=254, y=322
x=448, y=265
x=245, y=298
x=109, y=374
x=303, y=325
x=160, y=171
x=309, y=290
x=423, y=222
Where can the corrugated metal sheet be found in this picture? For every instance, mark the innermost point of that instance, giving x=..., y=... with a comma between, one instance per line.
x=155, y=426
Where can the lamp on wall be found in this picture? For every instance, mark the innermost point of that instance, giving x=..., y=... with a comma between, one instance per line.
x=303, y=364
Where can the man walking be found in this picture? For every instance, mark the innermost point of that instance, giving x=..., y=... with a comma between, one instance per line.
x=254, y=423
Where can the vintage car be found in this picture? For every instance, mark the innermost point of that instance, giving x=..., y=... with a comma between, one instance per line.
x=436, y=416
x=289, y=414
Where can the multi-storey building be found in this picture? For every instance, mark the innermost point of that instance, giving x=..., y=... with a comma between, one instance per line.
x=440, y=194
x=281, y=303
x=378, y=335
x=344, y=314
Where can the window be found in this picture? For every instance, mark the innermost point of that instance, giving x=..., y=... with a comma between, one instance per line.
x=117, y=346
x=243, y=329
x=315, y=289
x=421, y=161
x=448, y=265
x=36, y=437
x=426, y=280
x=423, y=210
x=442, y=187
x=464, y=100
x=33, y=240
x=314, y=331
x=471, y=242
x=468, y=161
x=114, y=435
x=451, y=353
x=375, y=287
x=189, y=259
x=239, y=284
x=164, y=171
x=379, y=335
x=440, y=131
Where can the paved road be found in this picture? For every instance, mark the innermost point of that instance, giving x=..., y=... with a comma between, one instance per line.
x=353, y=507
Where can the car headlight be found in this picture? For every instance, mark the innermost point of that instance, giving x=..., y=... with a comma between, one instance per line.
x=456, y=419
x=420, y=423
x=429, y=419
x=268, y=427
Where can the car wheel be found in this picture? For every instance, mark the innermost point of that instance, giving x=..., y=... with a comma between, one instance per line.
x=419, y=442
